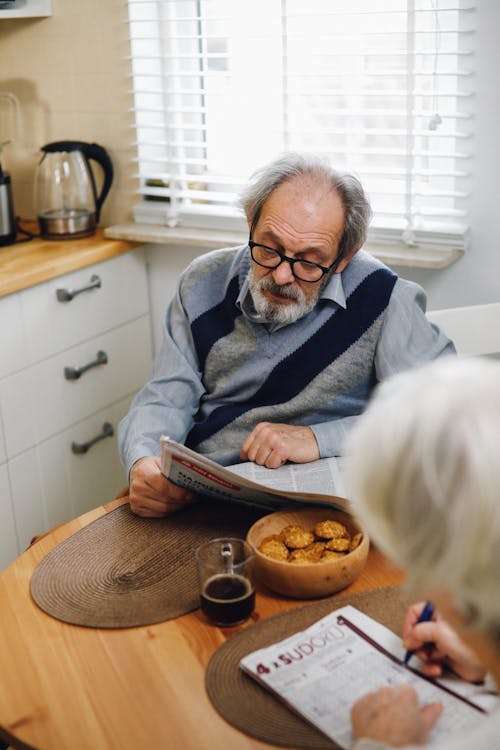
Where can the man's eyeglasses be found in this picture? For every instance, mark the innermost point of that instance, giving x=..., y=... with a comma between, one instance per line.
x=304, y=270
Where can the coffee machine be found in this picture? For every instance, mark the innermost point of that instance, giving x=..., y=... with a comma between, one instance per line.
x=11, y=126
x=7, y=216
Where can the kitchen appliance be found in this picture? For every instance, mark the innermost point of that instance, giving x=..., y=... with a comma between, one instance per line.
x=7, y=216
x=10, y=118
x=68, y=203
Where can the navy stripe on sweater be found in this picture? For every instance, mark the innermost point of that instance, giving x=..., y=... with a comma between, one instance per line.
x=299, y=368
x=215, y=323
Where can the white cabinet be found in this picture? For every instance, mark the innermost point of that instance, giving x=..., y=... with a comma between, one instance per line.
x=9, y=548
x=40, y=401
x=12, y=345
x=3, y=455
x=71, y=362
x=114, y=291
x=50, y=484
x=25, y=8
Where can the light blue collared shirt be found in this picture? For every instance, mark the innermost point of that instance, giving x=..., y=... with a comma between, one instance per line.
x=243, y=356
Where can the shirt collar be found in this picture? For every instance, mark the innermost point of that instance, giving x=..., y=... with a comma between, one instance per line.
x=334, y=290
x=244, y=302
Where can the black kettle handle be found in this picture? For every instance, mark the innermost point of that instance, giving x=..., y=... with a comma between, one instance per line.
x=91, y=152
x=94, y=152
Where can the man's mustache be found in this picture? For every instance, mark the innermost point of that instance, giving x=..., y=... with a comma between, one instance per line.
x=284, y=290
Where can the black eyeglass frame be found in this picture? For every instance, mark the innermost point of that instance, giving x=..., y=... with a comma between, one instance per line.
x=285, y=258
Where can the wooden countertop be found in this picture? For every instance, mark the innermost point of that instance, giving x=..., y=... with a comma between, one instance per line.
x=26, y=264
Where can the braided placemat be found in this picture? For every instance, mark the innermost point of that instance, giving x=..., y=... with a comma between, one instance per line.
x=123, y=571
x=252, y=709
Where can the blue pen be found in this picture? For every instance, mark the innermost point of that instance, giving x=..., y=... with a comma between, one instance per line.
x=425, y=616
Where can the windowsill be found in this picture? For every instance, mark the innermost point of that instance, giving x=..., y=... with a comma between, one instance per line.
x=393, y=254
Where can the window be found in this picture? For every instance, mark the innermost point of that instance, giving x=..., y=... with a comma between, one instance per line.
x=385, y=89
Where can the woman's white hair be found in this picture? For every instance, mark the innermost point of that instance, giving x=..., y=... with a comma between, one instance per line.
x=424, y=478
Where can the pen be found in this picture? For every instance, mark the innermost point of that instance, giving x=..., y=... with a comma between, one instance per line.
x=425, y=616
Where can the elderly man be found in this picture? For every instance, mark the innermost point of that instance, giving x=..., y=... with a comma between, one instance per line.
x=271, y=350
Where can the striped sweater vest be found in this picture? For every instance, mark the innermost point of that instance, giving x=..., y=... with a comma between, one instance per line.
x=317, y=369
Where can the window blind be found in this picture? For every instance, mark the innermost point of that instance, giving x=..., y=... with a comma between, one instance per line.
x=384, y=89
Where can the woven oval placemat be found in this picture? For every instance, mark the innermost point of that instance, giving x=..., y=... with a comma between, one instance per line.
x=252, y=709
x=123, y=571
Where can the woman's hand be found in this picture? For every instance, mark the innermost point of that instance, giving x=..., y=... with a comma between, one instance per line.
x=438, y=645
x=393, y=715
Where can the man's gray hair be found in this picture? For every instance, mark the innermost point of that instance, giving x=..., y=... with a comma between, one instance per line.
x=424, y=479
x=292, y=164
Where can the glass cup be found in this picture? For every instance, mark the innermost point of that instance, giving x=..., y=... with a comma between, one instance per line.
x=225, y=569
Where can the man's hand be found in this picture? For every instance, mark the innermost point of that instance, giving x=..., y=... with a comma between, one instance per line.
x=438, y=645
x=392, y=715
x=151, y=494
x=272, y=444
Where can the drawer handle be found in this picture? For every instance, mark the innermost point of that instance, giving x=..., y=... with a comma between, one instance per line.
x=73, y=373
x=107, y=431
x=66, y=295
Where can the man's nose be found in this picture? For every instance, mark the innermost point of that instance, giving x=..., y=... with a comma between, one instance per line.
x=283, y=274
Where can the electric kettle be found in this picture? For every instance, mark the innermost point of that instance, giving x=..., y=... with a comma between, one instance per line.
x=66, y=197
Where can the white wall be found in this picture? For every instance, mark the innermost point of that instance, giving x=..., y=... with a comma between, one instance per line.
x=70, y=72
x=165, y=265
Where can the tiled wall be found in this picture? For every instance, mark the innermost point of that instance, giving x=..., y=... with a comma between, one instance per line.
x=70, y=73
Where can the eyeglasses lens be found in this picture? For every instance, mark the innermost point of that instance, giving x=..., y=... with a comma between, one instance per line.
x=270, y=258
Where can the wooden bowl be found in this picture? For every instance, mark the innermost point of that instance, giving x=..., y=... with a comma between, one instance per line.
x=310, y=580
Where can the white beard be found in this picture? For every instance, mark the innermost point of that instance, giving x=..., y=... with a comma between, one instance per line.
x=274, y=312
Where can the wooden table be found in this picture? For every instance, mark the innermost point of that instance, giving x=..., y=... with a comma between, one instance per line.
x=65, y=687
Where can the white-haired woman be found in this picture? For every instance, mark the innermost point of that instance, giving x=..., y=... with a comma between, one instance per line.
x=425, y=480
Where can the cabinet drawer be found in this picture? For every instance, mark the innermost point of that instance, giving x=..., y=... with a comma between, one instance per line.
x=8, y=537
x=51, y=485
x=3, y=454
x=13, y=354
x=51, y=326
x=40, y=401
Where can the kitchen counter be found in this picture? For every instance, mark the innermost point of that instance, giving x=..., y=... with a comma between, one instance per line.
x=26, y=264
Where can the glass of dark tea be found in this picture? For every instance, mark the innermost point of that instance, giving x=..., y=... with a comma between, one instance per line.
x=225, y=568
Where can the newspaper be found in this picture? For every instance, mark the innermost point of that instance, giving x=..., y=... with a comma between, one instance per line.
x=318, y=482
x=322, y=671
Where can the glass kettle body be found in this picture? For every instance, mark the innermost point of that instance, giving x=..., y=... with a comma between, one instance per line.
x=66, y=197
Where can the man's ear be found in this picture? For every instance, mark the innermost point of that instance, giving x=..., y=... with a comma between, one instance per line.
x=345, y=262
x=249, y=222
